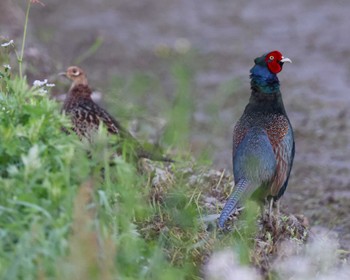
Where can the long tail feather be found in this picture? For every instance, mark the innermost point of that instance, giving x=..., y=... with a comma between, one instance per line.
x=232, y=202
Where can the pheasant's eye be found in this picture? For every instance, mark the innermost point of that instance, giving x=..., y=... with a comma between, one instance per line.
x=271, y=57
x=75, y=72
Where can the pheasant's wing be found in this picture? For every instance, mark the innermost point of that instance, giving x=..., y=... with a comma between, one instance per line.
x=286, y=152
x=281, y=137
x=114, y=127
x=98, y=114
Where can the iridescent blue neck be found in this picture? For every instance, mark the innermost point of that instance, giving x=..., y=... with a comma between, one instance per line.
x=262, y=80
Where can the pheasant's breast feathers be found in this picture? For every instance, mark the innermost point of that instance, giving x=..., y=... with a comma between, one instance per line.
x=81, y=91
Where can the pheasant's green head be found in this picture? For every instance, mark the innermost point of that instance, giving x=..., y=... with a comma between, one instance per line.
x=263, y=74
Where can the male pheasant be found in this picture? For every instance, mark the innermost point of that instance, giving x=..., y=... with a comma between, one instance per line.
x=263, y=141
x=86, y=115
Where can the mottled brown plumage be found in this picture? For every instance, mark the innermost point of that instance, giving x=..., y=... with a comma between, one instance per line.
x=86, y=115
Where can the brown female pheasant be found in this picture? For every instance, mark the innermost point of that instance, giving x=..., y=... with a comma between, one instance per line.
x=86, y=115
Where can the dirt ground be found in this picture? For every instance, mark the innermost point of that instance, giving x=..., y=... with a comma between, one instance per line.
x=227, y=35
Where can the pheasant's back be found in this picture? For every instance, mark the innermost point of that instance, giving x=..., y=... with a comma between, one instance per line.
x=84, y=119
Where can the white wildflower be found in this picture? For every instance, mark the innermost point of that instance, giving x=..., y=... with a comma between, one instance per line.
x=7, y=44
x=42, y=91
x=318, y=260
x=38, y=83
x=32, y=161
x=7, y=67
x=12, y=170
x=225, y=265
x=50, y=85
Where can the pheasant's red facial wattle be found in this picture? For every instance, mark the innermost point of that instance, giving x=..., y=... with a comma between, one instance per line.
x=273, y=61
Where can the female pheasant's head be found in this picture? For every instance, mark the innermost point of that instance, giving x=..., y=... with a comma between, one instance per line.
x=77, y=75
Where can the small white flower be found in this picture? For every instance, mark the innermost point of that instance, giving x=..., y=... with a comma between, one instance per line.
x=7, y=44
x=7, y=67
x=50, y=85
x=12, y=170
x=38, y=83
x=32, y=160
x=42, y=91
x=225, y=265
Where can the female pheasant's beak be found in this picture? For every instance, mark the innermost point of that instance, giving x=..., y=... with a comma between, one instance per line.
x=64, y=74
x=285, y=59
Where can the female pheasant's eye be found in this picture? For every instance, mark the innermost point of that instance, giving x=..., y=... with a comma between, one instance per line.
x=271, y=57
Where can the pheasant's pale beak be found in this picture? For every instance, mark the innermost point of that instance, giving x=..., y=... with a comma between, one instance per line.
x=64, y=74
x=285, y=59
